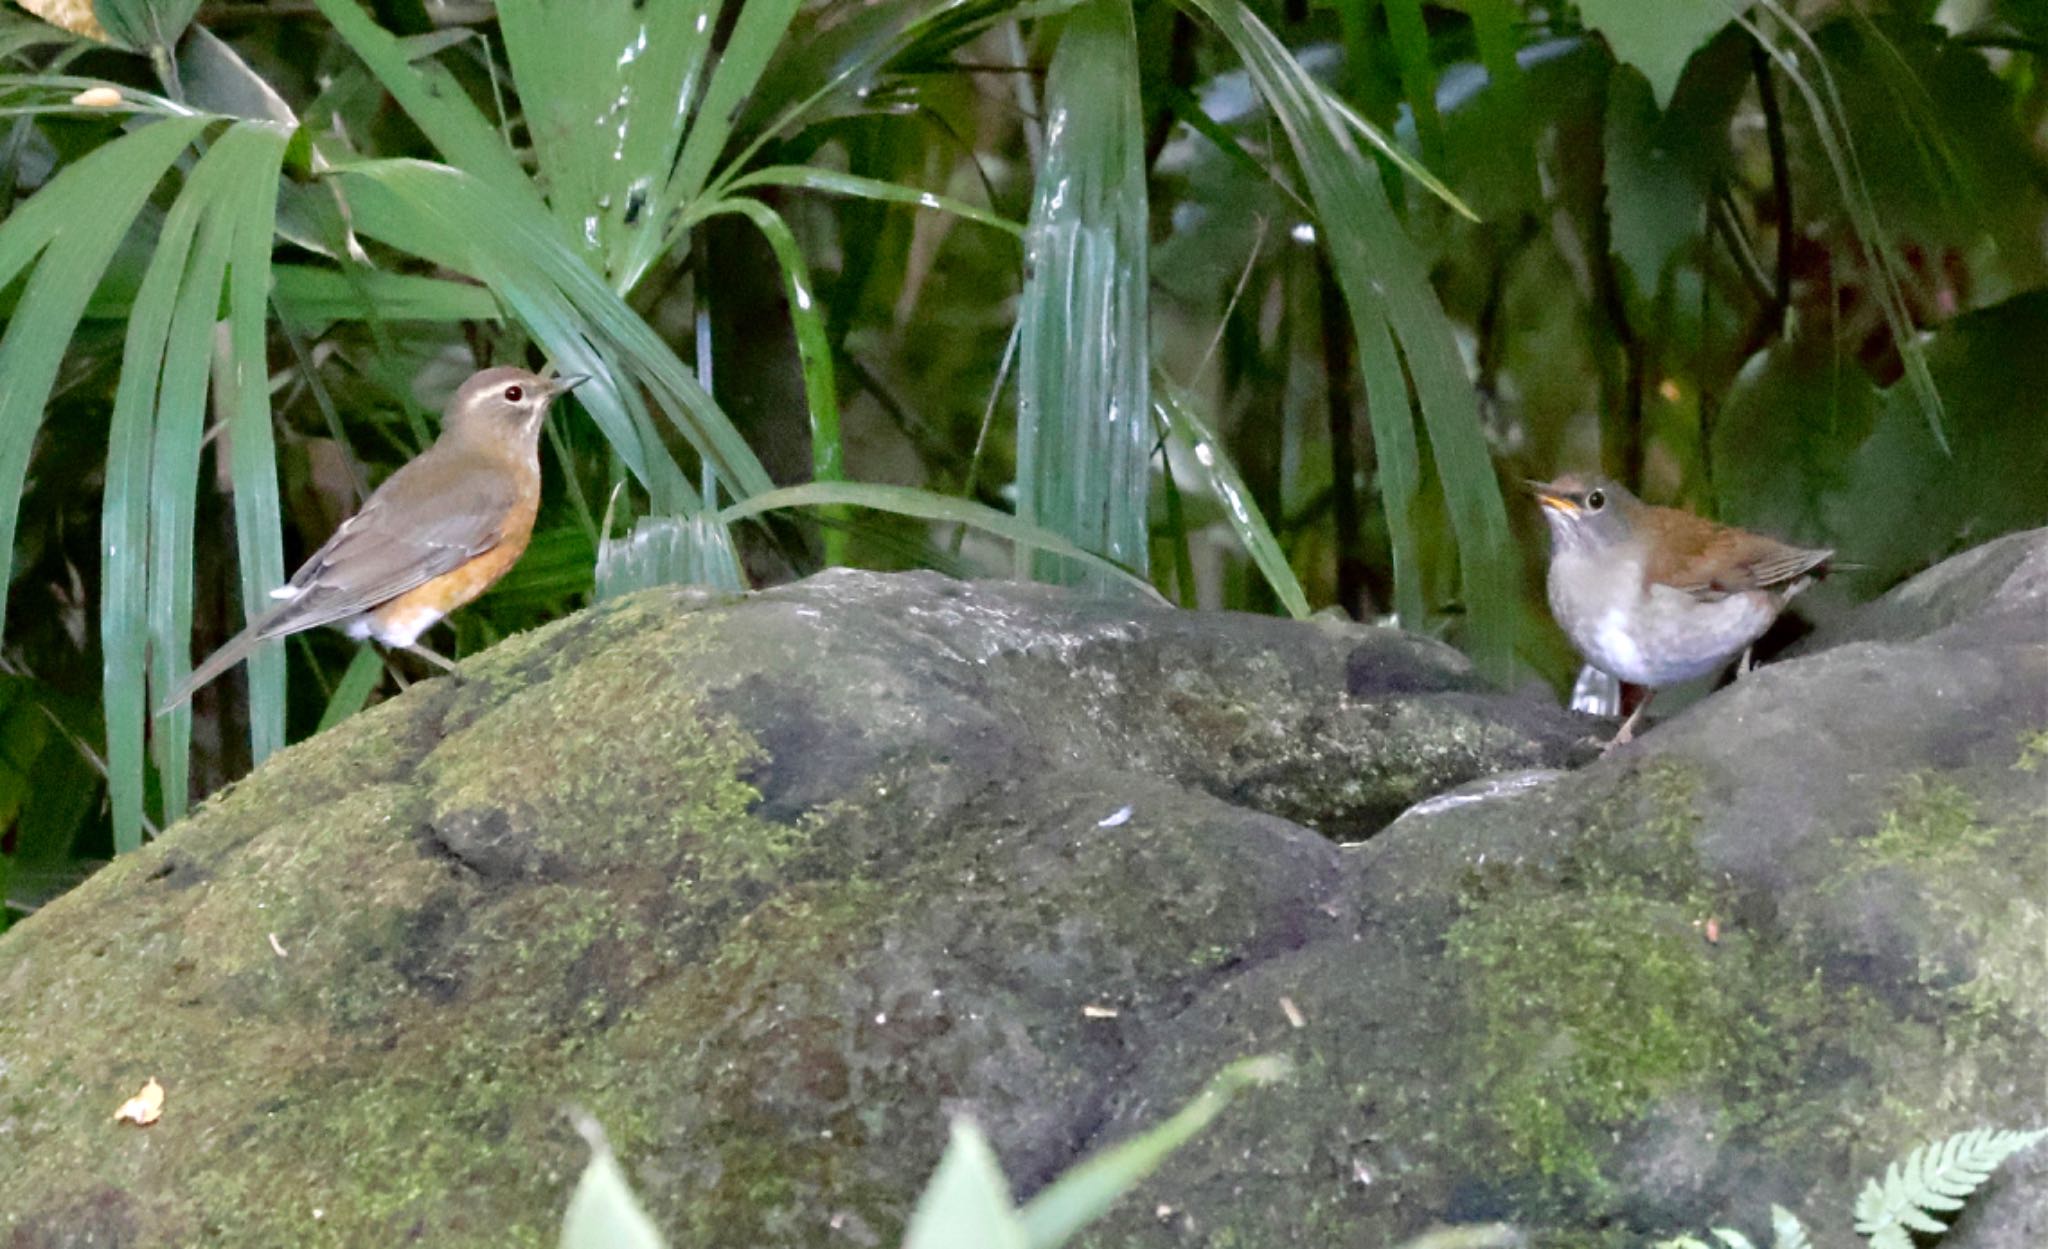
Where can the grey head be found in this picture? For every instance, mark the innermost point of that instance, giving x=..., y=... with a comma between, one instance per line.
x=502, y=404
x=1586, y=513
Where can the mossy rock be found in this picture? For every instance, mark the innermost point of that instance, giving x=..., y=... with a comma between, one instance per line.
x=772, y=885
x=769, y=884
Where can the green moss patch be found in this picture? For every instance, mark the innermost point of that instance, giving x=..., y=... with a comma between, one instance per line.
x=1598, y=996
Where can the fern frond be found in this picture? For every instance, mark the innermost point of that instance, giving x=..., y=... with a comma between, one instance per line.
x=1787, y=1232
x=1934, y=1177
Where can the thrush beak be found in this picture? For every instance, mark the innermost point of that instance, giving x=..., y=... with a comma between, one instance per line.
x=1548, y=497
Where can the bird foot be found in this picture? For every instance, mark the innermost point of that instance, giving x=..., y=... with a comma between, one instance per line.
x=439, y=661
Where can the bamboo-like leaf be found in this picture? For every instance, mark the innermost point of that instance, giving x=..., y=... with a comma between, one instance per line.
x=1830, y=126
x=1410, y=38
x=666, y=550
x=1082, y=1194
x=1083, y=400
x=814, y=346
x=92, y=203
x=945, y=508
x=755, y=36
x=181, y=412
x=354, y=688
x=1400, y=157
x=218, y=80
x=833, y=182
x=312, y=297
x=1393, y=307
x=609, y=91
x=1186, y=428
x=434, y=101
x=145, y=25
x=426, y=209
x=259, y=523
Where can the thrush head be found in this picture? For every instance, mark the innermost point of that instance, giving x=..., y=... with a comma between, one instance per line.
x=503, y=404
x=1587, y=514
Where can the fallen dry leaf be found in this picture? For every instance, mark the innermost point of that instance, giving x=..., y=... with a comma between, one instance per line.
x=145, y=1108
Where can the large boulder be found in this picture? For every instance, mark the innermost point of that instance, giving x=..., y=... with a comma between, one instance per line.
x=771, y=885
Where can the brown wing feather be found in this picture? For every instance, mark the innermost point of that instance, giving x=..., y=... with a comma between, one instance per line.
x=1711, y=560
x=427, y=519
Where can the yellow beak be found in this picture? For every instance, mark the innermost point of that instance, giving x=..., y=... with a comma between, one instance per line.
x=1547, y=496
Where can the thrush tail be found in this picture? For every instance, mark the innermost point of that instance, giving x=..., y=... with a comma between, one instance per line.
x=232, y=652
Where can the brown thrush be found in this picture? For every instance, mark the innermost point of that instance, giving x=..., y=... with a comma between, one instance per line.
x=1656, y=596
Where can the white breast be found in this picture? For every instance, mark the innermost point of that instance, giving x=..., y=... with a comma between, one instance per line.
x=1656, y=636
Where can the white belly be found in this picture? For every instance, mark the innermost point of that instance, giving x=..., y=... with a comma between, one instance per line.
x=1656, y=637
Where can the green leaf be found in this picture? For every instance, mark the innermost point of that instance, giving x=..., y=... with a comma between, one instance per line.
x=1410, y=38
x=760, y=29
x=603, y=1213
x=145, y=24
x=833, y=182
x=1898, y=503
x=814, y=346
x=665, y=550
x=218, y=80
x=945, y=508
x=1830, y=126
x=1938, y=1176
x=429, y=210
x=968, y=1200
x=609, y=92
x=181, y=419
x=312, y=297
x=1787, y=1232
x=434, y=101
x=1186, y=429
x=354, y=688
x=245, y=381
x=1082, y=1194
x=814, y=350
x=1084, y=434
x=1398, y=322
x=1400, y=158
x=1657, y=38
x=80, y=216
x=1656, y=204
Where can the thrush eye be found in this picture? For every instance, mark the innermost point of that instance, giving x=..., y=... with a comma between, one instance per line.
x=514, y=394
x=1595, y=500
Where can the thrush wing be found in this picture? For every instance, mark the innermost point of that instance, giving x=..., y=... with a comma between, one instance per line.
x=1711, y=561
x=414, y=528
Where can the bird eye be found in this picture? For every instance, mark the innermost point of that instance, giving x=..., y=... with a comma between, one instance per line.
x=514, y=394
x=1595, y=500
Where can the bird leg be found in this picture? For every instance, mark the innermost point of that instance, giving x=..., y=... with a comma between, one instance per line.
x=446, y=665
x=1628, y=726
